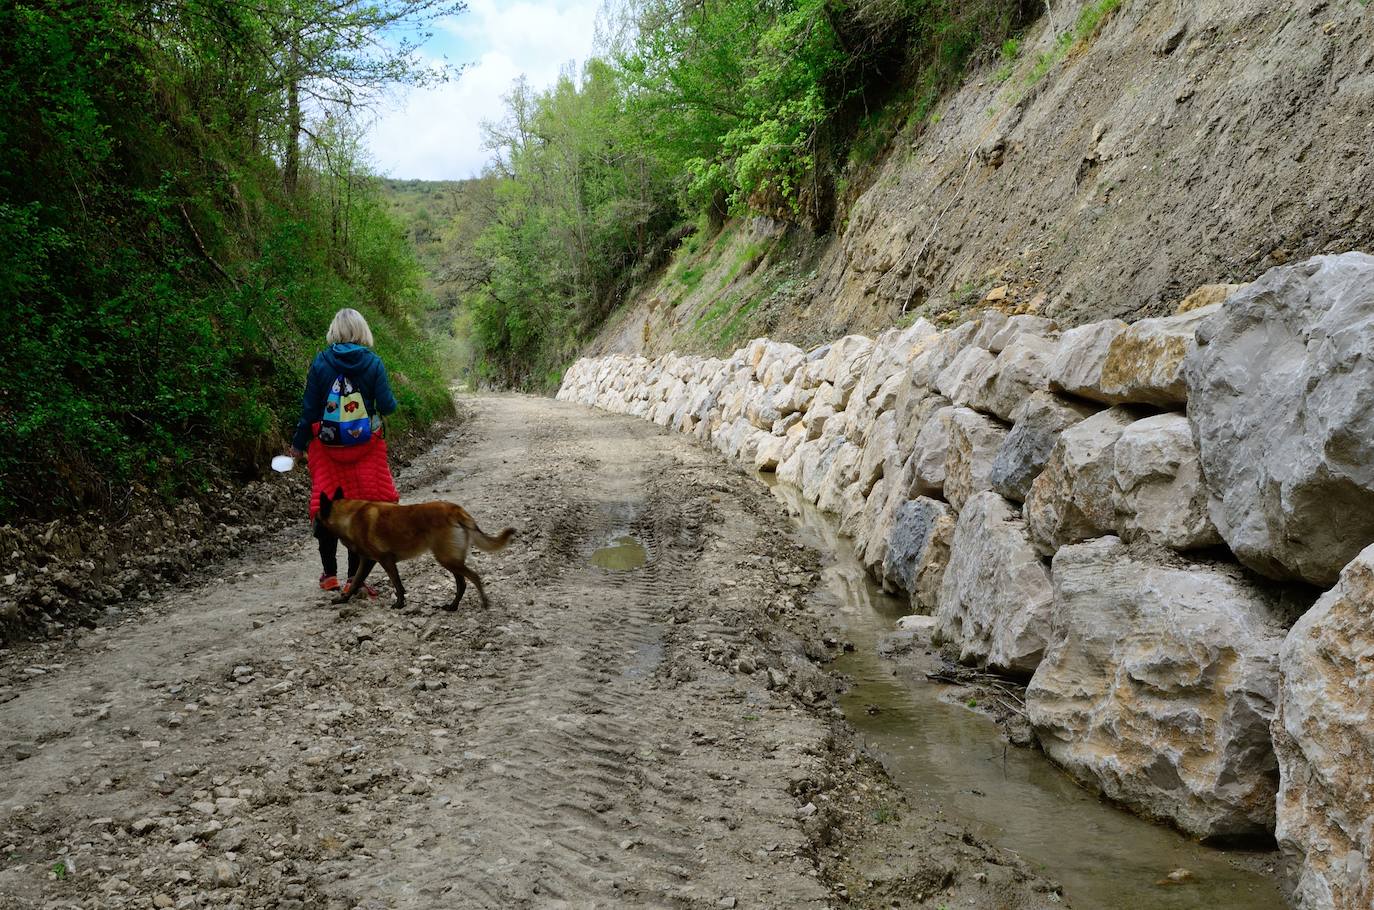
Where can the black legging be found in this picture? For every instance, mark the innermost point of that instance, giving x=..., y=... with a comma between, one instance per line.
x=329, y=555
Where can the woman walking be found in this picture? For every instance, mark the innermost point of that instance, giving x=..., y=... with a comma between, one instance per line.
x=346, y=394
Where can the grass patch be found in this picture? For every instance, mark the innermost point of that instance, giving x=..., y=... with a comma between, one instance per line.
x=884, y=815
x=1089, y=19
x=736, y=326
x=1009, y=54
x=691, y=276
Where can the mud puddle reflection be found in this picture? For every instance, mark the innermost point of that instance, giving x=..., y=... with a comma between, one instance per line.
x=623, y=554
x=944, y=755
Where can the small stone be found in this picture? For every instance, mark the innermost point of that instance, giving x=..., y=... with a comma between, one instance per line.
x=727, y=902
x=224, y=875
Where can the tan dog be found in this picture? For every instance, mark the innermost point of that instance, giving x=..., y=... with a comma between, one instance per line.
x=387, y=533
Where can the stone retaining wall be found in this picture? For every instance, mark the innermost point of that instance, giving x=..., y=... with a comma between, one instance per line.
x=1128, y=516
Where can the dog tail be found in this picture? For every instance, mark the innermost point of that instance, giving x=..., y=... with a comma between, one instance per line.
x=483, y=540
x=489, y=543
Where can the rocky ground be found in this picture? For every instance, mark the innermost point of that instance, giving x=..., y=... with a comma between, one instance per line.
x=660, y=736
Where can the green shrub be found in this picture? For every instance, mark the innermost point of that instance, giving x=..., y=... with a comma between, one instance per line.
x=163, y=291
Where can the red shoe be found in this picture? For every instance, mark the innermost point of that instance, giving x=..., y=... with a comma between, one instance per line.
x=329, y=583
x=371, y=591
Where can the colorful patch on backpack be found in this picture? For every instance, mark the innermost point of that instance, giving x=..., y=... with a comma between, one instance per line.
x=347, y=401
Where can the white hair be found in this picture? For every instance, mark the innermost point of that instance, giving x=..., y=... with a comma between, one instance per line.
x=349, y=326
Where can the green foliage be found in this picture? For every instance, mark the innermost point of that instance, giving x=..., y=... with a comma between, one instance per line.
x=164, y=291
x=1089, y=18
x=709, y=108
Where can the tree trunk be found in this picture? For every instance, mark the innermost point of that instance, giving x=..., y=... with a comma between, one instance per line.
x=291, y=166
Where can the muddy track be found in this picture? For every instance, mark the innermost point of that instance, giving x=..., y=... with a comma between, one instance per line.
x=657, y=737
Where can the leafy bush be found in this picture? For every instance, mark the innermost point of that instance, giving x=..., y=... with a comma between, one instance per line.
x=163, y=290
x=710, y=108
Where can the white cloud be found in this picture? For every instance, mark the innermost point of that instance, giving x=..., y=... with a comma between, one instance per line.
x=435, y=133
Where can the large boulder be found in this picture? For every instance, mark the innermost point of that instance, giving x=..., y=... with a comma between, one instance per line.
x=1324, y=736
x=932, y=449
x=1144, y=364
x=1160, y=496
x=912, y=416
x=769, y=453
x=880, y=450
x=844, y=470
x=973, y=444
x=918, y=550
x=961, y=380
x=1077, y=366
x=1037, y=425
x=1073, y=499
x=1160, y=686
x=1015, y=327
x=1281, y=396
x=995, y=597
x=1019, y=370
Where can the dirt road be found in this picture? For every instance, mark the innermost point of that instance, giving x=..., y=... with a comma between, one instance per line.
x=647, y=735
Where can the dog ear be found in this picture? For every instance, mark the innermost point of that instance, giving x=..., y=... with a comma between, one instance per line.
x=338, y=494
x=325, y=505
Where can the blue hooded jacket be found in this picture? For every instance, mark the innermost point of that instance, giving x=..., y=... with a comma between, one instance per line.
x=358, y=364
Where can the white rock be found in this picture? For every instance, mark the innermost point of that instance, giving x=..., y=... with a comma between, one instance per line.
x=880, y=448
x=1281, y=396
x=769, y=453
x=1018, y=371
x=1160, y=685
x=1077, y=367
x=932, y=450
x=1145, y=363
x=995, y=596
x=1324, y=736
x=1160, y=496
x=974, y=441
x=842, y=473
x=961, y=380
x=1073, y=499
x=1016, y=326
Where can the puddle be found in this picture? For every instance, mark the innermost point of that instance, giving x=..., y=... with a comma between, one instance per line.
x=644, y=660
x=621, y=555
x=943, y=754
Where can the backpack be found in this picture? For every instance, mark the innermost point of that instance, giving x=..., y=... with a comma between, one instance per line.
x=345, y=421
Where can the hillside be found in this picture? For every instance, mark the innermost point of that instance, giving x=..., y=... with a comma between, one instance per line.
x=181, y=221
x=1118, y=156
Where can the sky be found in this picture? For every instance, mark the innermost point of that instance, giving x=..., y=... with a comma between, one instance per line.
x=435, y=133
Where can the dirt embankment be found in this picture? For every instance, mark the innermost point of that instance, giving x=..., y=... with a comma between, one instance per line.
x=657, y=735
x=1130, y=153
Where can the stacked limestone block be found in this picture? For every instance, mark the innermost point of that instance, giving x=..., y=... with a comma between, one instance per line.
x=1066, y=505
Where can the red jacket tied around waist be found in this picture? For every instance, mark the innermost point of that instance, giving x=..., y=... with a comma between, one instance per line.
x=361, y=470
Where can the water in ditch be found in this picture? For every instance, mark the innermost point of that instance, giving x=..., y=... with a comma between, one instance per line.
x=943, y=754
